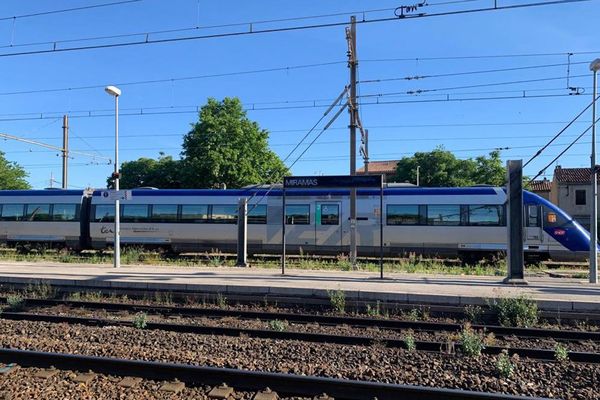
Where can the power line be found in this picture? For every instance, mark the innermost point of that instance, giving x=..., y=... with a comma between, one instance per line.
x=251, y=31
x=481, y=56
x=65, y=10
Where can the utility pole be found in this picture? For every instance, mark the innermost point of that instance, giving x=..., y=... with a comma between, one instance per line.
x=65, y=151
x=364, y=147
x=353, y=110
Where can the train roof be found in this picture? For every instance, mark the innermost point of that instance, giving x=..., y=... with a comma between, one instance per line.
x=400, y=191
x=42, y=193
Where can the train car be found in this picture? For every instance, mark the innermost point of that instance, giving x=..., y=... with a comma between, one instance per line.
x=48, y=218
x=466, y=222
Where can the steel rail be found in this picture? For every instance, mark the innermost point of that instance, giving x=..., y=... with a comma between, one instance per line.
x=361, y=322
x=541, y=354
x=283, y=384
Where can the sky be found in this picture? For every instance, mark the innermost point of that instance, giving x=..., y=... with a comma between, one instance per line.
x=286, y=79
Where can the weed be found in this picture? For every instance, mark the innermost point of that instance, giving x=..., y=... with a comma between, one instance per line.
x=425, y=313
x=221, y=300
x=41, y=290
x=561, y=354
x=140, y=320
x=471, y=342
x=374, y=311
x=337, y=298
x=278, y=326
x=164, y=298
x=412, y=315
x=91, y=296
x=516, y=311
x=473, y=313
x=15, y=302
x=75, y=296
x=504, y=365
x=409, y=341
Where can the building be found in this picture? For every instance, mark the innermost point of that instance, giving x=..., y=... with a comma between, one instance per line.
x=571, y=192
x=387, y=168
x=541, y=188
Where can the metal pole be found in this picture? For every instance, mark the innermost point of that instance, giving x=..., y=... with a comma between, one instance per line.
x=65, y=151
x=381, y=232
x=418, y=168
x=366, y=152
x=352, y=63
x=242, y=241
x=594, y=177
x=117, y=256
x=514, y=225
x=283, y=234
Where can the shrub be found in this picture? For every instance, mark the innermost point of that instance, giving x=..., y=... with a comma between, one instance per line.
x=517, y=311
x=473, y=313
x=277, y=325
x=471, y=342
x=140, y=320
x=561, y=354
x=337, y=298
x=15, y=302
x=504, y=365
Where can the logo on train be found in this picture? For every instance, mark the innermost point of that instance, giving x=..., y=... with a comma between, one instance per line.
x=302, y=182
x=106, y=229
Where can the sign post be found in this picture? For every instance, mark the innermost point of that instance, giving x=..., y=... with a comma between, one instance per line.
x=242, y=242
x=333, y=182
x=514, y=223
x=117, y=196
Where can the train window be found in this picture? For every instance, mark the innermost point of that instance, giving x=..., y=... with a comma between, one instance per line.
x=490, y=215
x=330, y=214
x=12, y=212
x=38, y=212
x=533, y=216
x=64, y=212
x=447, y=215
x=403, y=215
x=580, y=197
x=134, y=213
x=104, y=213
x=257, y=214
x=164, y=213
x=297, y=214
x=194, y=213
x=224, y=214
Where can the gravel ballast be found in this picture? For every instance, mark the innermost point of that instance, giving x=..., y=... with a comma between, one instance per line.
x=376, y=362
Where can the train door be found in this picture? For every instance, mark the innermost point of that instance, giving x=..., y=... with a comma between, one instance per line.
x=328, y=225
x=533, y=224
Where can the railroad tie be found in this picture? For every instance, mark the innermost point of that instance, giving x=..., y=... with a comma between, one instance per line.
x=172, y=387
x=130, y=381
x=221, y=392
x=266, y=394
x=46, y=373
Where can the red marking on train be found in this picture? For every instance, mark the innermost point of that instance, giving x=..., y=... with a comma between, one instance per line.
x=560, y=232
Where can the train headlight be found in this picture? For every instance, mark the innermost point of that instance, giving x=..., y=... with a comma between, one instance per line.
x=551, y=217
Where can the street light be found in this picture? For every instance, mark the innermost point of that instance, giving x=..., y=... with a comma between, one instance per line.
x=116, y=92
x=594, y=67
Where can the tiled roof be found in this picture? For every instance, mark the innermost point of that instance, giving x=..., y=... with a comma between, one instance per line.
x=573, y=175
x=541, y=186
x=386, y=167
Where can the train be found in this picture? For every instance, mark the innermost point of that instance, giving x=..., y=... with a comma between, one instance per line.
x=467, y=222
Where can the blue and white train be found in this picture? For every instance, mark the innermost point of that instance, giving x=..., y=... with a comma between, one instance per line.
x=467, y=222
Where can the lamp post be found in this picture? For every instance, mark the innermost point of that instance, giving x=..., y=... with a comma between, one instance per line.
x=116, y=92
x=594, y=67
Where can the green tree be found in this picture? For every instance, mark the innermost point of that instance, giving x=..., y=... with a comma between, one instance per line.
x=441, y=168
x=12, y=175
x=225, y=147
x=164, y=173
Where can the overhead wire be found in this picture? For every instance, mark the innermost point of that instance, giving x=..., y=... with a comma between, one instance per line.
x=147, y=40
x=66, y=10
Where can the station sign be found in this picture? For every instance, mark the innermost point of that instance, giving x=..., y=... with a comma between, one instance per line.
x=116, y=194
x=333, y=181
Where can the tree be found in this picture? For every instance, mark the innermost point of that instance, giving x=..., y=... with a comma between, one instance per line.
x=225, y=147
x=441, y=168
x=164, y=173
x=12, y=175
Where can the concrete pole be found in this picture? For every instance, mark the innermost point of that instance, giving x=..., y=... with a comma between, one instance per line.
x=352, y=64
x=65, y=151
x=242, y=241
x=594, y=66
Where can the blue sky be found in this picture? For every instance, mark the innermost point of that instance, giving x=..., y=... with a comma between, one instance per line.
x=396, y=49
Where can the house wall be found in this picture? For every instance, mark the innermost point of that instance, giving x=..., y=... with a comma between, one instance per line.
x=565, y=199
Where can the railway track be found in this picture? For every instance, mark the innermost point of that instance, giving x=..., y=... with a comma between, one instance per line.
x=282, y=384
x=448, y=346
x=361, y=322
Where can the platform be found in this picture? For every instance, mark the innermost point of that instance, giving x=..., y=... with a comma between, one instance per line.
x=551, y=294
